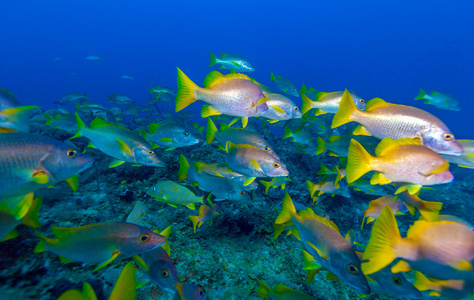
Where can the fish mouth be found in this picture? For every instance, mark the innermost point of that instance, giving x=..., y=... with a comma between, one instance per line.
x=87, y=165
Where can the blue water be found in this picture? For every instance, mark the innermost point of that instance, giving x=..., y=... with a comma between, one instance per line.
x=379, y=49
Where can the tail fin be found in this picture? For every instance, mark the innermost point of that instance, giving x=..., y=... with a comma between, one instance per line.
x=421, y=95
x=211, y=131
x=31, y=218
x=80, y=127
x=380, y=250
x=303, y=89
x=263, y=290
x=272, y=77
x=183, y=168
x=19, y=115
x=422, y=283
x=41, y=245
x=312, y=187
x=429, y=210
x=346, y=108
x=195, y=220
x=358, y=161
x=212, y=59
x=287, y=133
x=321, y=146
x=185, y=94
x=306, y=104
x=125, y=287
x=288, y=209
x=266, y=184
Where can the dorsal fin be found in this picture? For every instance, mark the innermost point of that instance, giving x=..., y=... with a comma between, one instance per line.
x=224, y=127
x=387, y=143
x=152, y=128
x=308, y=212
x=98, y=122
x=334, y=138
x=375, y=103
x=198, y=165
x=234, y=146
x=237, y=76
x=213, y=78
x=320, y=95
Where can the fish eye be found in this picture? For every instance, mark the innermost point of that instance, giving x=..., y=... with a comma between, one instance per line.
x=71, y=153
x=186, y=133
x=448, y=136
x=150, y=153
x=242, y=193
x=164, y=273
x=397, y=280
x=353, y=269
x=276, y=165
x=201, y=292
x=266, y=148
x=143, y=238
x=296, y=108
x=361, y=101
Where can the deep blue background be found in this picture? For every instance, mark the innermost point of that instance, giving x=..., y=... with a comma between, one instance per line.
x=386, y=49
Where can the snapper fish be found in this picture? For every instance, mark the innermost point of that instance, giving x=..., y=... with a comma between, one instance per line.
x=253, y=162
x=231, y=62
x=285, y=85
x=100, y=243
x=189, y=291
x=30, y=162
x=173, y=194
x=375, y=208
x=324, y=242
x=275, y=182
x=94, y=57
x=280, y=292
x=237, y=136
x=403, y=160
x=72, y=97
x=299, y=135
x=17, y=118
x=381, y=119
x=8, y=223
x=328, y=103
x=120, y=143
x=67, y=122
x=232, y=94
x=451, y=289
x=206, y=213
x=338, y=145
x=442, y=249
x=465, y=160
x=429, y=210
x=439, y=100
x=170, y=135
x=280, y=108
x=120, y=99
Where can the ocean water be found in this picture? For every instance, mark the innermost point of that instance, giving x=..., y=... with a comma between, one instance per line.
x=386, y=49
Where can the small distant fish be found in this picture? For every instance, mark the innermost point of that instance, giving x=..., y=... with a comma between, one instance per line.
x=330, y=184
x=429, y=210
x=161, y=90
x=325, y=244
x=450, y=289
x=189, y=291
x=173, y=194
x=170, y=135
x=403, y=160
x=328, y=102
x=231, y=62
x=442, y=249
x=237, y=136
x=285, y=85
x=300, y=135
x=206, y=213
x=124, y=288
x=338, y=145
x=440, y=100
x=8, y=100
x=280, y=107
x=375, y=208
x=275, y=182
x=64, y=122
x=280, y=292
x=253, y=162
x=18, y=118
x=118, y=142
x=120, y=99
x=93, y=57
x=127, y=77
x=59, y=58
x=100, y=243
x=72, y=97
x=364, y=186
x=399, y=121
x=232, y=94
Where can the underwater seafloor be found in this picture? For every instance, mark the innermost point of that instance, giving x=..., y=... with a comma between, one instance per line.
x=224, y=258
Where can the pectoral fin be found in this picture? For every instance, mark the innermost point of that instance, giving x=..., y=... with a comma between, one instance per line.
x=124, y=148
x=72, y=182
x=140, y=262
x=108, y=261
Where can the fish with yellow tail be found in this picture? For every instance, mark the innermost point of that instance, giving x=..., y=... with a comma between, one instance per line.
x=206, y=213
x=451, y=289
x=100, y=243
x=280, y=292
x=173, y=194
x=375, y=208
x=29, y=162
x=429, y=210
x=381, y=119
x=189, y=291
x=442, y=249
x=253, y=162
x=8, y=223
x=233, y=94
x=328, y=103
x=324, y=242
x=120, y=143
x=124, y=288
x=467, y=159
x=403, y=160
